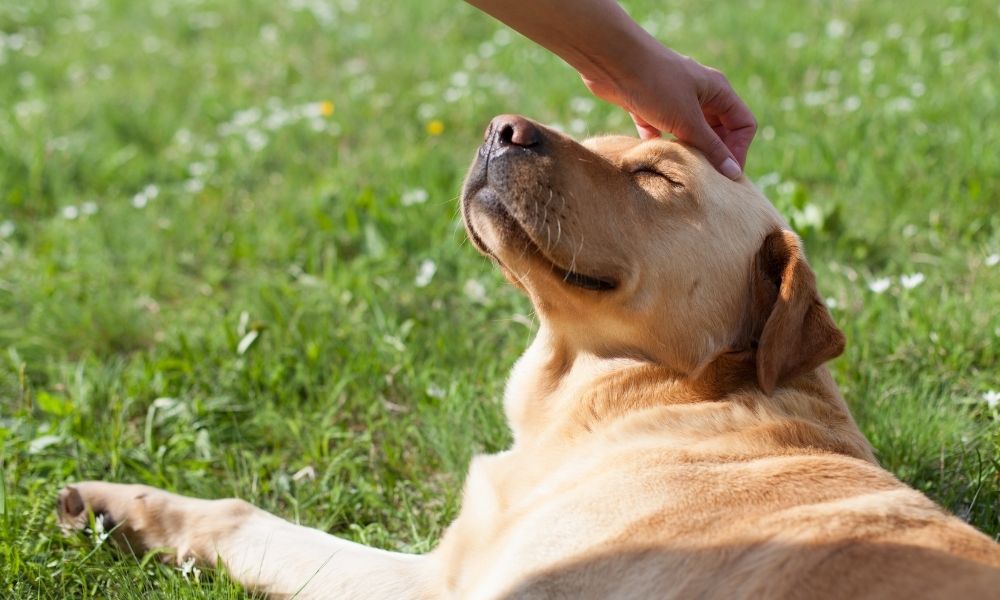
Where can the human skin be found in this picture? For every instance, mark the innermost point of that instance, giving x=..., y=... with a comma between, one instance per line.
x=622, y=63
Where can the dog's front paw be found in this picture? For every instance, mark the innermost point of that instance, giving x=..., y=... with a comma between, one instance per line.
x=137, y=517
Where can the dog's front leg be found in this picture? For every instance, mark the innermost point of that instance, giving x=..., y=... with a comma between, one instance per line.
x=261, y=551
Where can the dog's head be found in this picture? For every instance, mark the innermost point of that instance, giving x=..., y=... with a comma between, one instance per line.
x=641, y=249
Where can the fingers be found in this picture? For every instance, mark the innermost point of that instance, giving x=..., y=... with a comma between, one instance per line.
x=646, y=131
x=730, y=119
x=722, y=129
x=739, y=127
x=703, y=137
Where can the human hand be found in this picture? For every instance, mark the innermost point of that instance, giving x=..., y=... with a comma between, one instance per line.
x=665, y=91
x=622, y=63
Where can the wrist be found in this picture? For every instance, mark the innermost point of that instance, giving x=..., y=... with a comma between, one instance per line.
x=628, y=54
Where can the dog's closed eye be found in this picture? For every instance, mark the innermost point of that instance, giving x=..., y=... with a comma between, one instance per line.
x=652, y=171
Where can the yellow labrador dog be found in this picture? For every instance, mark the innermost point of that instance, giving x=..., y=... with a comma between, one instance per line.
x=676, y=432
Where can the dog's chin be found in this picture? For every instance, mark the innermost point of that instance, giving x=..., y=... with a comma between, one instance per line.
x=497, y=234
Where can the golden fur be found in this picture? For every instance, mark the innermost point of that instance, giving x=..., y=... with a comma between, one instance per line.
x=676, y=433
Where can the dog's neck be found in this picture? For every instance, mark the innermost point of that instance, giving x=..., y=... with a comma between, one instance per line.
x=557, y=394
x=554, y=385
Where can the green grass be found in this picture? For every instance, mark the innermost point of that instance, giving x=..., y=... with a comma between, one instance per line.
x=120, y=327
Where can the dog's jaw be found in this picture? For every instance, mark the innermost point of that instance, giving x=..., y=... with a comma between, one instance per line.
x=501, y=219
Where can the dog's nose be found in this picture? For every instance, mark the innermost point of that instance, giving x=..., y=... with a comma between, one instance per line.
x=512, y=130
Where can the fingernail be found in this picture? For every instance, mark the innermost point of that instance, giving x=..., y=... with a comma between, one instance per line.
x=730, y=169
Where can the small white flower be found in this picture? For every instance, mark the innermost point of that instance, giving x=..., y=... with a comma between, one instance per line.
x=991, y=260
x=269, y=33
x=317, y=124
x=140, y=200
x=193, y=186
x=183, y=138
x=901, y=104
x=426, y=111
x=58, y=144
x=797, y=40
x=435, y=391
x=810, y=216
x=768, y=179
x=459, y=79
x=70, y=212
x=852, y=103
x=425, y=273
x=7, y=229
x=879, y=285
x=102, y=534
x=785, y=188
x=816, y=97
x=313, y=109
x=992, y=398
x=88, y=208
x=255, y=139
x=894, y=31
x=414, y=196
x=474, y=290
x=487, y=49
x=245, y=118
x=866, y=67
x=956, y=13
x=279, y=118
x=187, y=568
x=200, y=168
x=831, y=303
x=581, y=105
x=945, y=40
x=911, y=281
x=151, y=45
x=836, y=28
x=502, y=37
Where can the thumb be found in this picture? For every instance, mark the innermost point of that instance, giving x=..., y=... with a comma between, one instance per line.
x=706, y=140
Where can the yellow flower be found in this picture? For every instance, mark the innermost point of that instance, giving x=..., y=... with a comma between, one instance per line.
x=326, y=108
x=435, y=127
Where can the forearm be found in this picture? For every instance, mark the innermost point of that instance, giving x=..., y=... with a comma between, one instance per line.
x=591, y=35
x=622, y=63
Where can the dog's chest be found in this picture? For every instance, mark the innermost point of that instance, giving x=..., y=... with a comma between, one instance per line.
x=522, y=512
x=503, y=495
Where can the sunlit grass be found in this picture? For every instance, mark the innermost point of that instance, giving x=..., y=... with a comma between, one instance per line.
x=231, y=263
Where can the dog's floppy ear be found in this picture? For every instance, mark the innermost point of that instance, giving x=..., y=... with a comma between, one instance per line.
x=795, y=331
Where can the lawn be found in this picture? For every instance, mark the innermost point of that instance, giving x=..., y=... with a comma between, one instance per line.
x=231, y=262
